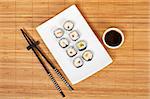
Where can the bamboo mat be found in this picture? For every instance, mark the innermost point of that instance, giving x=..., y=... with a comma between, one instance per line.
x=22, y=77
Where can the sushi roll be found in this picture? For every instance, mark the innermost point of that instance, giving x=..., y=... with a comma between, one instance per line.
x=81, y=45
x=74, y=35
x=77, y=62
x=58, y=33
x=68, y=25
x=71, y=51
x=63, y=42
x=87, y=55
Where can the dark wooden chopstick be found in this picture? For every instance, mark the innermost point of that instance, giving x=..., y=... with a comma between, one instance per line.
x=32, y=46
x=48, y=60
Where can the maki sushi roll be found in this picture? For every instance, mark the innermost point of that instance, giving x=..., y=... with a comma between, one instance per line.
x=68, y=25
x=81, y=45
x=87, y=55
x=74, y=35
x=63, y=42
x=71, y=51
x=58, y=33
x=77, y=62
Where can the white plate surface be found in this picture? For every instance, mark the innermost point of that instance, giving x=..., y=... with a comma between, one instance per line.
x=101, y=58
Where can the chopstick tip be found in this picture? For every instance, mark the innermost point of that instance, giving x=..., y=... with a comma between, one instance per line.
x=21, y=29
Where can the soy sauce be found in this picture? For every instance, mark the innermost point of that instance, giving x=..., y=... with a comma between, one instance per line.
x=113, y=38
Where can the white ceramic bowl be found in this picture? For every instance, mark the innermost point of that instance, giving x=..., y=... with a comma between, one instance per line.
x=115, y=29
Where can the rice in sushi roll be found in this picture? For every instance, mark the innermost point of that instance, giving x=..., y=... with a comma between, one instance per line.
x=63, y=42
x=58, y=33
x=87, y=55
x=74, y=35
x=71, y=51
x=77, y=62
x=68, y=25
x=81, y=45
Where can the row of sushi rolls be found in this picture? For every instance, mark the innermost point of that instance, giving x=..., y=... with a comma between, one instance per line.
x=81, y=45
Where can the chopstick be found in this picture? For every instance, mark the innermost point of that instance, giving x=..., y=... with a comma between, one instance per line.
x=32, y=46
x=48, y=60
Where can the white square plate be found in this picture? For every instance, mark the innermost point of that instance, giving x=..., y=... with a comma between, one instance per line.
x=100, y=55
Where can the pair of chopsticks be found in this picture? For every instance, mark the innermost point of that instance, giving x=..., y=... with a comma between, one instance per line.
x=39, y=52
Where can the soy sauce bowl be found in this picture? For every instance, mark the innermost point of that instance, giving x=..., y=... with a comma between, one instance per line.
x=113, y=38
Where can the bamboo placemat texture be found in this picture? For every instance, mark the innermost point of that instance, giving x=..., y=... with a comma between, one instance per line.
x=22, y=76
